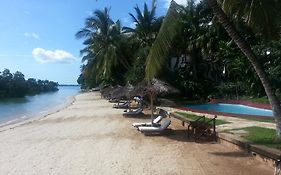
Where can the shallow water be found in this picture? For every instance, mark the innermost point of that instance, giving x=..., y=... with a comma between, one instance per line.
x=22, y=108
x=233, y=108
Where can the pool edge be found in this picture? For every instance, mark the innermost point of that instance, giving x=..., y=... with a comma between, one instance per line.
x=226, y=114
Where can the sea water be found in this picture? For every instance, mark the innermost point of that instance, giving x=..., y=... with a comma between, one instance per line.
x=12, y=110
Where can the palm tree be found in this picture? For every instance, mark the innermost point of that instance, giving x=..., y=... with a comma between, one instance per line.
x=162, y=45
x=102, y=44
x=251, y=18
x=142, y=35
x=260, y=15
x=147, y=24
x=170, y=25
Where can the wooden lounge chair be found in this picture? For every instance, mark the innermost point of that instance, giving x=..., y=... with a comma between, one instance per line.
x=154, y=129
x=155, y=122
x=134, y=112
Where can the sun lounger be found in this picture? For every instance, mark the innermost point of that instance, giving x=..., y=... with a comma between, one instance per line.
x=134, y=112
x=110, y=100
x=121, y=105
x=155, y=122
x=154, y=129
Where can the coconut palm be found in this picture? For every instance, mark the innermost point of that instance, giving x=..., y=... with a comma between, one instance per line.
x=260, y=15
x=142, y=35
x=146, y=24
x=160, y=49
x=250, y=12
x=103, y=37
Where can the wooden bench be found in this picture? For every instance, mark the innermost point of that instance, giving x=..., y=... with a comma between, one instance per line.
x=199, y=127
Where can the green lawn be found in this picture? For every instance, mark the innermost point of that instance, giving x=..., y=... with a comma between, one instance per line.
x=262, y=136
x=195, y=117
x=259, y=120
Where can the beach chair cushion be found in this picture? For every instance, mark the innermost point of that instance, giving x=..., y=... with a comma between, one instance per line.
x=122, y=105
x=155, y=128
x=155, y=121
x=134, y=111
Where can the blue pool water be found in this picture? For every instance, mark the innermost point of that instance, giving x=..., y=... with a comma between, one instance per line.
x=232, y=108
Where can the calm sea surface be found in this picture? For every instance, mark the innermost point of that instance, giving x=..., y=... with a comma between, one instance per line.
x=22, y=108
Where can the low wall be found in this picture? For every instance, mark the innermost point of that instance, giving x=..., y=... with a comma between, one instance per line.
x=261, y=153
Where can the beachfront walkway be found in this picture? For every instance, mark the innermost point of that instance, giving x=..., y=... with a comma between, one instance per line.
x=90, y=137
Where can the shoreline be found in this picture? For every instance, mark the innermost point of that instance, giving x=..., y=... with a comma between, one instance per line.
x=11, y=124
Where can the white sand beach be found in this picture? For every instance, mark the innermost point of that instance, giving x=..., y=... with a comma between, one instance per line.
x=90, y=137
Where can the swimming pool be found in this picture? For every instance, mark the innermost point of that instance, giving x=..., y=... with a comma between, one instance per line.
x=232, y=109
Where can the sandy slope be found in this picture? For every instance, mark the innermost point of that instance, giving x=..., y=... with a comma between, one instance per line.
x=89, y=137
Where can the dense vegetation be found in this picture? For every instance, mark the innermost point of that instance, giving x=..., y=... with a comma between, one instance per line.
x=216, y=48
x=204, y=60
x=15, y=85
x=114, y=54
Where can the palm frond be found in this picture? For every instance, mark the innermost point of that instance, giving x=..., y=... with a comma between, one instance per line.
x=128, y=30
x=261, y=15
x=83, y=33
x=159, y=51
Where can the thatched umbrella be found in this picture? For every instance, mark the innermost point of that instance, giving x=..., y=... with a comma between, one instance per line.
x=158, y=87
x=122, y=92
x=107, y=92
x=140, y=89
x=114, y=93
x=119, y=93
x=129, y=88
x=155, y=87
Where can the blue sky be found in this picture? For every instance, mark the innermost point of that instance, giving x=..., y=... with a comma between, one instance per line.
x=37, y=36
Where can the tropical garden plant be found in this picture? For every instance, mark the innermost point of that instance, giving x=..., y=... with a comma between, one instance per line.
x=246, y=11
x=205, y=40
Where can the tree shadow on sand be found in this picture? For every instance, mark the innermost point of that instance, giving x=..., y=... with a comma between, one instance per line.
x=138, y=116
x=178, y=135
x=231, y=154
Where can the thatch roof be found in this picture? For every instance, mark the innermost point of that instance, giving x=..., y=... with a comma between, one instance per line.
x=156, y=87
x=160, y=87
x=107, y=92
x=122, y=92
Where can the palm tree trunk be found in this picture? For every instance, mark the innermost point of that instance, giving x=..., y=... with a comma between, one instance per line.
x=246, y=49
x=152, y=108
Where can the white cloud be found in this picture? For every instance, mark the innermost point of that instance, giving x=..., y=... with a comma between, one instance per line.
x=57, y=56
x=32, y=35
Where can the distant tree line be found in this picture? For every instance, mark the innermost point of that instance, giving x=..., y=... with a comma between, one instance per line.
x=15, y=85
